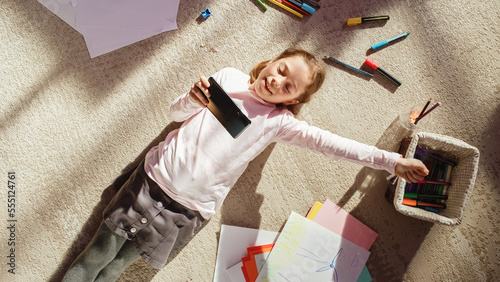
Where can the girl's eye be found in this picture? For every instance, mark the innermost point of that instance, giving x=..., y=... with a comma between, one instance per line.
x=280, y=71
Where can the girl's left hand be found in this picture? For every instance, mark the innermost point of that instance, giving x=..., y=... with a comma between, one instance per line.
x=199, y=92
x=412, y=170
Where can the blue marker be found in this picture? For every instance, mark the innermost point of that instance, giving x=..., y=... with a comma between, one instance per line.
x=303, y=6
x=434, y=210
x=383, y=43
x=348, y=66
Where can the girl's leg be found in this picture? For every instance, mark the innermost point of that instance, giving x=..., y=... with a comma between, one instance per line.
x=127, y=255
x=98, y=254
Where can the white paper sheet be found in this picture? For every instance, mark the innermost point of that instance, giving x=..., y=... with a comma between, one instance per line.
x=63, y=9
x=234, y=273
x=233, y=244
x=107, y=25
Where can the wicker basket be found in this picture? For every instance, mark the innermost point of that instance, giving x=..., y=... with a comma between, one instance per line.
x=462, y=178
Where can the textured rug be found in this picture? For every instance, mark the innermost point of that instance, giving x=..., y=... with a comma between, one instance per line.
x=70, y=124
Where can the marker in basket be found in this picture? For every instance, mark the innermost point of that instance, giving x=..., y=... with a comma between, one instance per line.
x=417, y=196
x=424, y=152
x=374, y=66
x=348, y=66
x=433, y=182
x=434, y=210
x=384, y=43
x=356, y=21
x=415, y=203
x=428, y=111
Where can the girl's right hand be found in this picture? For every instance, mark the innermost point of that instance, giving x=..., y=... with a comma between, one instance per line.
x=199, y=92
x=412, y=170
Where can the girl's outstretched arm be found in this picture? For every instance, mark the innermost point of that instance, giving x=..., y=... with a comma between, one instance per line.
x=411, y=170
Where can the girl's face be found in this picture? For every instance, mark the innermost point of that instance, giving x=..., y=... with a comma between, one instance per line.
x=282, y=81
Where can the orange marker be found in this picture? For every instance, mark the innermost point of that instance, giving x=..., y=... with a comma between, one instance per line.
x=415, y=203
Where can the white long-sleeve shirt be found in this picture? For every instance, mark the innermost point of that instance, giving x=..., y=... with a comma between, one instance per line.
x=200, y=162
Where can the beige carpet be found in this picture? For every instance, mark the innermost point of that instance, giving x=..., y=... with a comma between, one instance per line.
x=69, y=124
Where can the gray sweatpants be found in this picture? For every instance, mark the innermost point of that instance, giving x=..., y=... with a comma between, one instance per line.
x=156, y=225
x=105, y=258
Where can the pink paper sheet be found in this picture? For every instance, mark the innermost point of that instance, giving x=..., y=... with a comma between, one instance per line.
x=341, y=222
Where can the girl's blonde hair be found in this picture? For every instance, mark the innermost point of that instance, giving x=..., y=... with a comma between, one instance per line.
x=317, y=74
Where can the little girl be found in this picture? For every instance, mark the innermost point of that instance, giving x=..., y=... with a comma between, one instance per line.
x=183, y=180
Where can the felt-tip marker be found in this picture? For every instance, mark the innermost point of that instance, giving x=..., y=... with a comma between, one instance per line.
x=421, y=151
x=303, y=6
x=384, y=43
x=311, y=3
x=356, y=21
x=434, y=210
x=415, y=203
x=348, y=66
x=262, y=4
x=425, y=196
x=433, y=182
x=374, y=66
x=286, y=8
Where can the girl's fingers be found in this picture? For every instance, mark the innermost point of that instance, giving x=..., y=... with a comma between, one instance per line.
x=206, y=84
x=202, y=91
x=417, y=174
x=199, y=92
x=410, y=178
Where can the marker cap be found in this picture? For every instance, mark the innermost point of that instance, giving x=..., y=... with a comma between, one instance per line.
x=409, y=202
x=353, y=21
x=307, y=8
x=371, y=64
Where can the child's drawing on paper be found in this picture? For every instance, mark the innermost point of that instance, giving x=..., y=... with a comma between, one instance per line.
x=290, y=240
x=329, y=265
x=306, y=251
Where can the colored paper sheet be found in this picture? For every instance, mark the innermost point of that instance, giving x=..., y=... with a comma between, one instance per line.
x=233, y=244
x=307, y=251
x=250, y=266
x=244, y=268
x=341, y=222
x=365, y=273
x=314, y=210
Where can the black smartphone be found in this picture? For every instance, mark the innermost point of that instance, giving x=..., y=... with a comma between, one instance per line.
x=225, y=110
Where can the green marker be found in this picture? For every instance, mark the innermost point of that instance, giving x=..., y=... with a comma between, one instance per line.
x=262, y=4
x=425, y=196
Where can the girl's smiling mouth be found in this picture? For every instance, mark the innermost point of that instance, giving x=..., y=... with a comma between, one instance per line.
x=266, y=86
